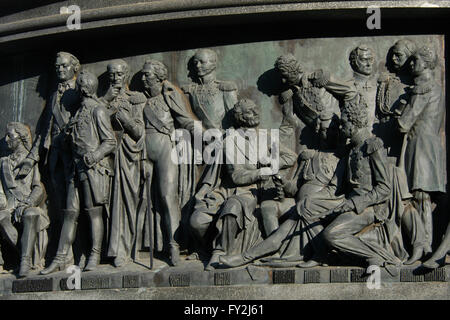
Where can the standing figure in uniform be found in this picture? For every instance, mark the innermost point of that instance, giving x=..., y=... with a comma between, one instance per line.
x=362, y=60
x=166, y=105
x=92, y=140
x=211, y=100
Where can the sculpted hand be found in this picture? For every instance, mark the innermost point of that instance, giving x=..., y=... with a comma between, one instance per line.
x=319, y=78
x=123, y=116
x=265, y=173
x=307, y=154
x=345, y=206
x=89, y=159
x=19, y=212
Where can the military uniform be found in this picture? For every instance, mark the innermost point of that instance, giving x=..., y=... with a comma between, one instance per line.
x=91, y=132
x=371, y=188
x=91, y=137
x=210, y=102
x=392, y=91
x=162, y=114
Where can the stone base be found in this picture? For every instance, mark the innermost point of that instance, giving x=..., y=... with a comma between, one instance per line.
x=137, y=281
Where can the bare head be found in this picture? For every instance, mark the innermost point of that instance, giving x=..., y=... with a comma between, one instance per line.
x=362, y=60
x=423, y=59
x=289, y=69
x=87, y=84
x=246, y=113
x=205, y=62
x=401, y=52
x=66, y=65
x=17, y=135
x=118, y=72
x=153, y=74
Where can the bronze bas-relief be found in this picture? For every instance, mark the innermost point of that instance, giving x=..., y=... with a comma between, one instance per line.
x=359, y=187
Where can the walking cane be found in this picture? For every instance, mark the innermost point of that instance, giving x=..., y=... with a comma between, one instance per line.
x=148, y=183
x=401, y=159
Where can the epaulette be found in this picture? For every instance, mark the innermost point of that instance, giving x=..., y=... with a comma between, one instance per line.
x=136, y=97
x=285, y=96
x=227, y=86
x=374, y=144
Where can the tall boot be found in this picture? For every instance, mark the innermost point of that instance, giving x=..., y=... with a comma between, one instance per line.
x=172, y=221
x=95, y=216
x=66, y=239
x=28, y=240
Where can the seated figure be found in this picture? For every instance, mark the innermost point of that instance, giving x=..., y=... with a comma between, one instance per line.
x=316, y=193
x=237, y=225
x=21, y=201
x=368, y=225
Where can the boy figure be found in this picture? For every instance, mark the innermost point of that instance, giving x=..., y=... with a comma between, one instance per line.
x=92, y=141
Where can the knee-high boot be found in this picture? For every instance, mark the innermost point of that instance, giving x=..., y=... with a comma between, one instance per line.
x=28, y=240
x=95, y=216
x=66, y=239
x=172, y=221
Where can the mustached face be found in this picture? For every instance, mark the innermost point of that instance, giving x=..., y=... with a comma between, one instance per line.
x=64, y=68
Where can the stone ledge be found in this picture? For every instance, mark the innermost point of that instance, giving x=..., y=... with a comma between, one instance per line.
x=47, y=20
x=313, y=291
x=191, y=274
